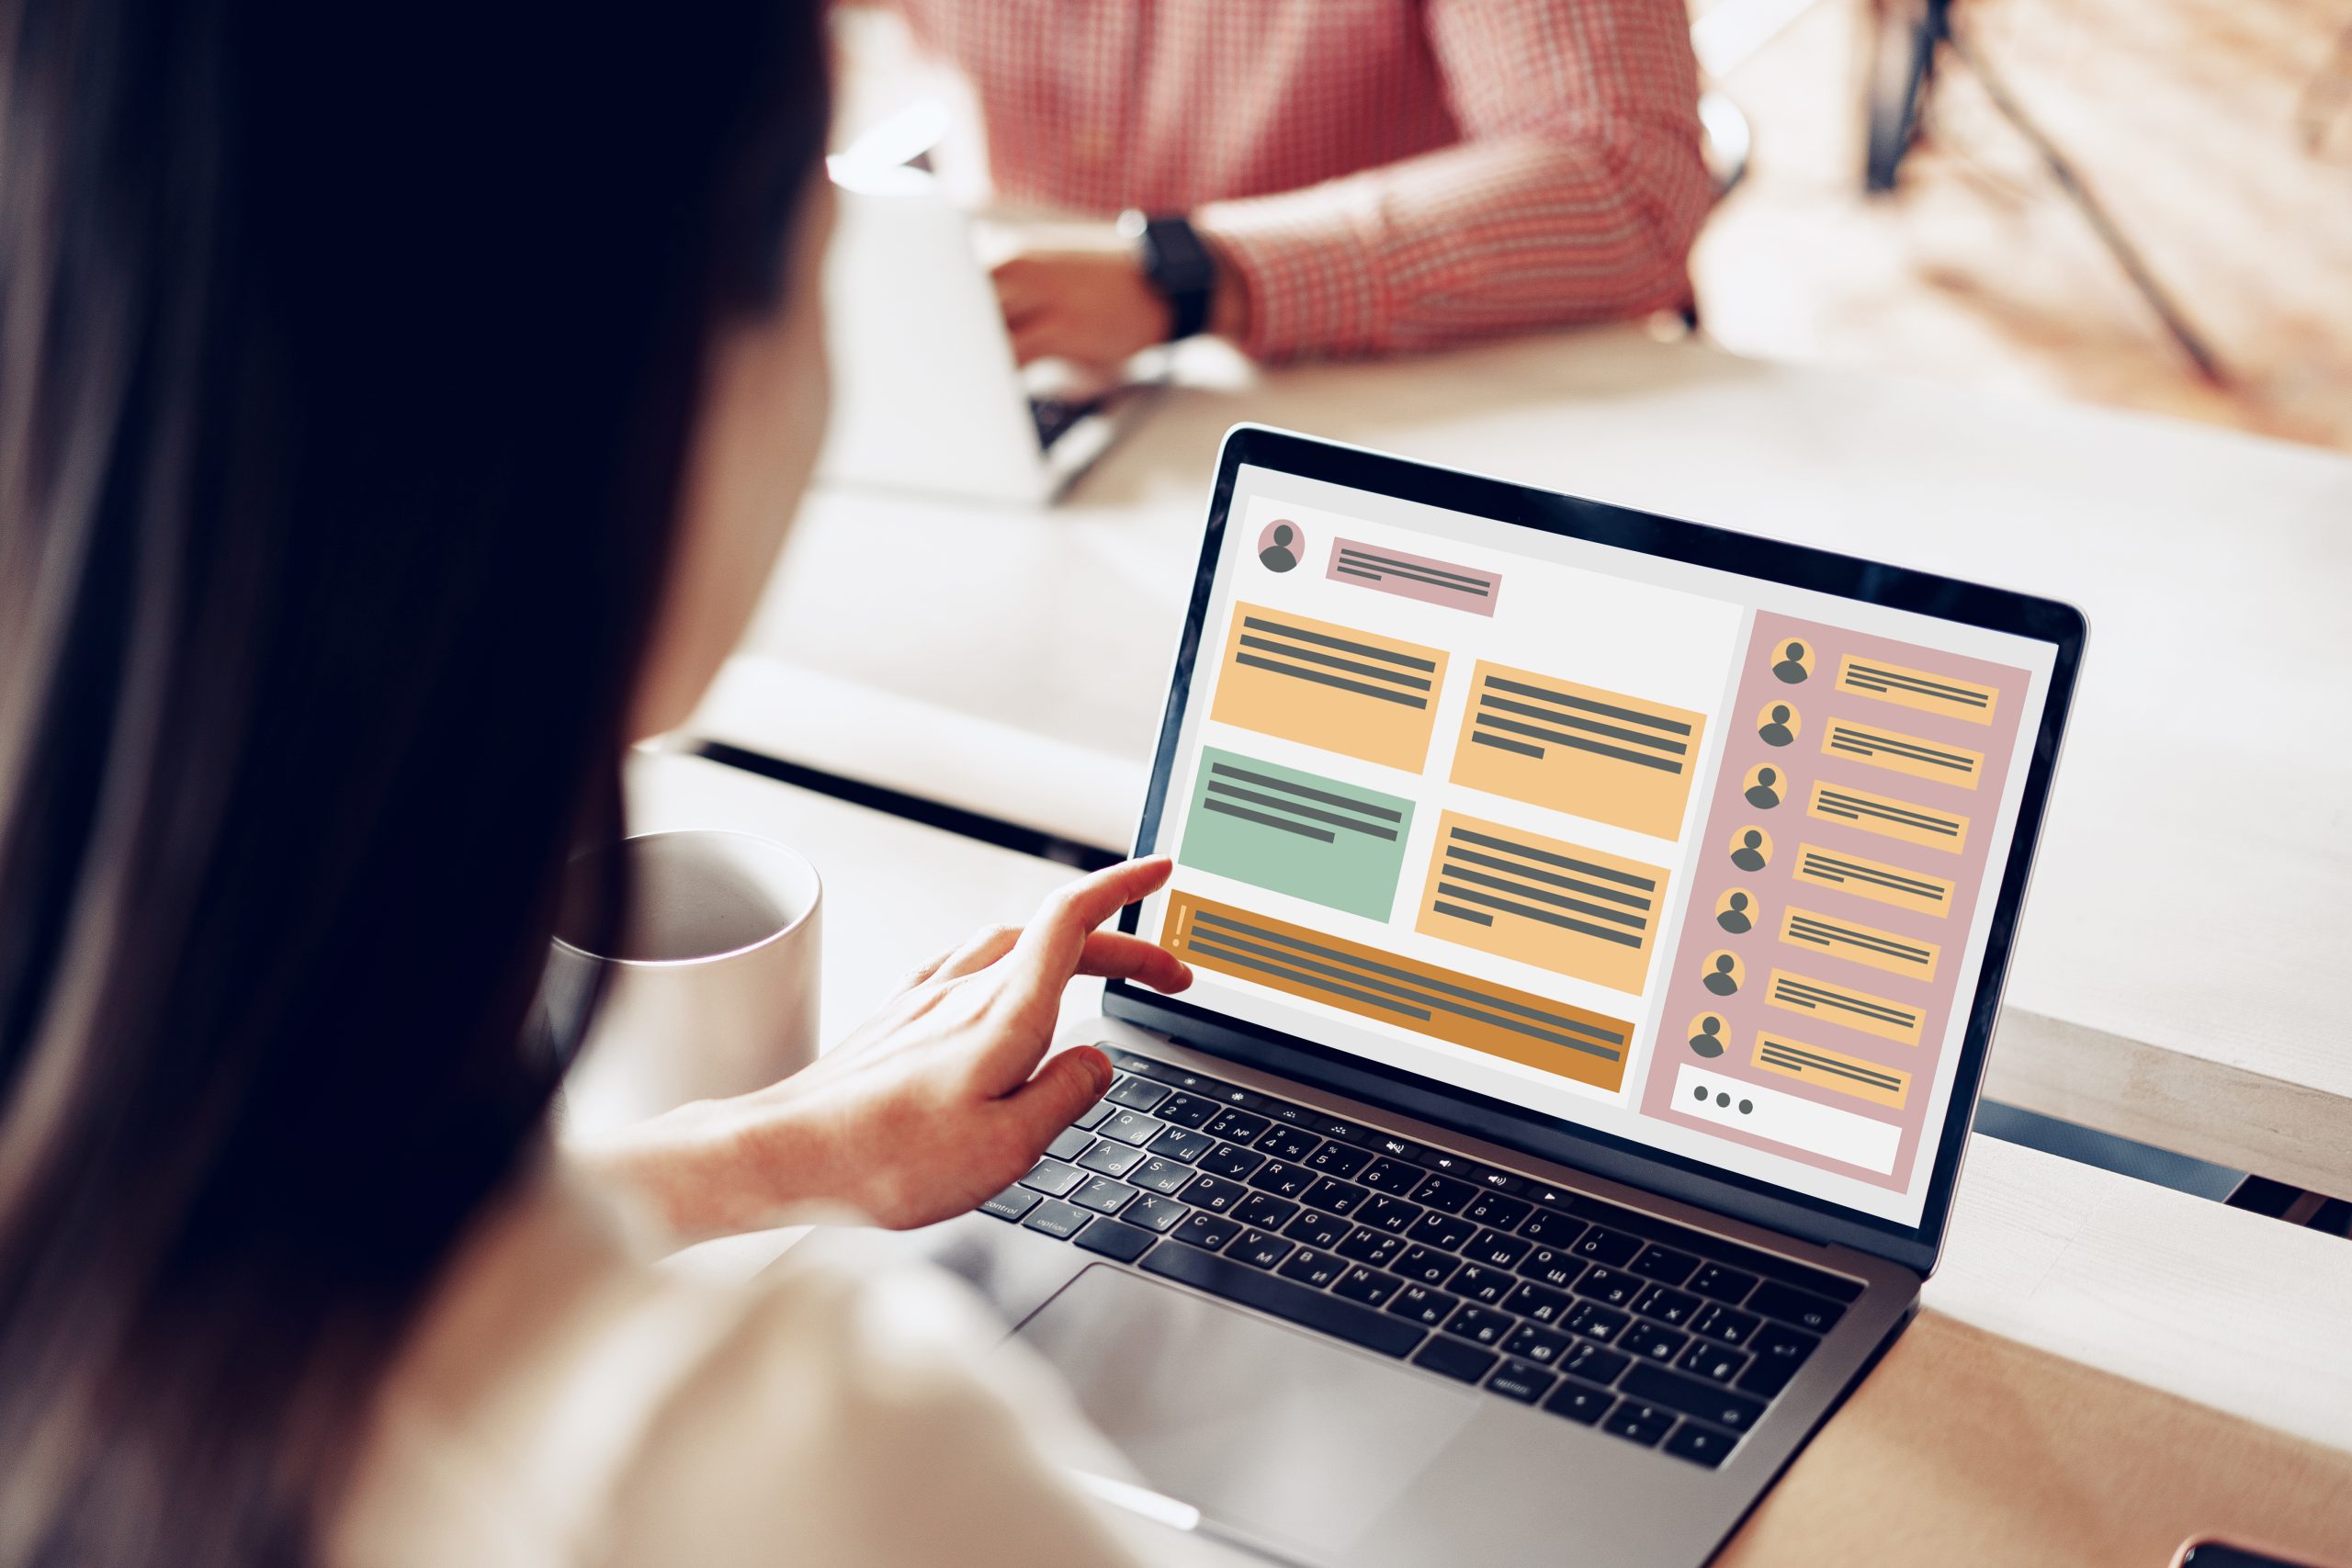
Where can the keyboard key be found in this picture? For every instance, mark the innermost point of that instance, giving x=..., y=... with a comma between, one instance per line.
x=1445, y=1192
x=1593, y=1364
x=1498, y=1212
x=1665, y=1265
x=1393, y=1176
x=1426, y=1266
x=1610, y=1287
x=1596, y=1322
x=1521, y=1381
x=1717, y=1282
x=1612, y=1247
x=1725, y=1326
x=1113, y=1239
x=1314, y=1228
x=1484, y=1325
x=1285, y=1299
x=1486, y=1286
x=1189, y=1111
x=1712, y=1363
x=1539, y=1345
x=1778, y=1350
x=1716, y=1407
x=1056, y=1218
x=1453, y=1164
x=1436, y=1229
x=1702, y=1446
x=1670, y=1306
x=1283, y=1180
x=1549, y=1228
x=1285, y=1142
x=1210, y=1231
x=1178, y=1144
x=1799, y=1309
x=1131, y=1127
x=1310, y=1266
x=1110, y=1158
x=1454, y=1359
x=1376, y=1247
x=1502, y=1180
x=1053, y=1178
x=1154, y=1212
x=1235, y=1095
x=1391, y=1214
x=1337, y=1159
x=1556, y=1269
x=1229, y=1160
x=1536, y=1304
x=1423, y=1305
x=1265, y=1210
x=1650, y=1342
x=1128, y=1061
x=1346, y=1132
x=1104, y=1195
x=1579, y=1402
x=1012, y=1203
x=1637, y=1423
x=1091, y=1117
x=1259, y=1250
x=1494, y=1248
x=1162, y=1175
x=1336, y=1197
x=1137, y=1094
x=1214, y=1193
x=1068, y=1143
x=1366, y=1285
x=1395, y=1147
x=1237, y=1126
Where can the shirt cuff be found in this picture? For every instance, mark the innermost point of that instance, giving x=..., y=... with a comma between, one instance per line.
x=1308, y=277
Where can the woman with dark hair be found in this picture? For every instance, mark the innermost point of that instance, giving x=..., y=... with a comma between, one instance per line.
x=399, y=412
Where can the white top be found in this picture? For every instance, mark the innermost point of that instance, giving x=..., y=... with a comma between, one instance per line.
x=564, y=1401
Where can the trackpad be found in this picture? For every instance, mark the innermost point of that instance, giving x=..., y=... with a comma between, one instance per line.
x=1271, y=1429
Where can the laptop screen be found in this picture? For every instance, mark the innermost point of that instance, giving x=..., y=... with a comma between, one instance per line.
x=1703, y=861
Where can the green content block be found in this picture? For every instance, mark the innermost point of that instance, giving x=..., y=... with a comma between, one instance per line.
x=1337, y=844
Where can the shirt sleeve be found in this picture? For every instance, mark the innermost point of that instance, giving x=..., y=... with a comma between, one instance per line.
x=866, y=1411
x=1574, y=195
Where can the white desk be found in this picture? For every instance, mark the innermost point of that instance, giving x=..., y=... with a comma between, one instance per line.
x=2181, y=973
x=2212, y=1303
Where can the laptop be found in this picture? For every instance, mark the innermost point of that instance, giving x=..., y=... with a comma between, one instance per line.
x=1598, y=923
x=927, y=396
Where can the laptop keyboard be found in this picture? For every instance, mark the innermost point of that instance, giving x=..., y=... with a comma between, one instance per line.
x=1650, y=1331
x=1055, y=417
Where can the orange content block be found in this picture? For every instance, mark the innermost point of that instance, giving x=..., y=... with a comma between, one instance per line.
x=1889, y=817
x=1920, y=689
x=1892, y=749
x=1517, y=1026
x=1592, y=753
x=1329, y=686
x=1834, y=1070
x=1875, y=880
x=1882, y=1016
x=1543, y=901
x=1885, y=950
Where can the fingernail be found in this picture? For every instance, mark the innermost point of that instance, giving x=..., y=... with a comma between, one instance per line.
x=1103, y=1075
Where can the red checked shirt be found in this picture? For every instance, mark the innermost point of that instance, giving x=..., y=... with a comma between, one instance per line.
x=1383, y=175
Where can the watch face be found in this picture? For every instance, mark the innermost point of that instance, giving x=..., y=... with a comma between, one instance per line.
x=1176, y=258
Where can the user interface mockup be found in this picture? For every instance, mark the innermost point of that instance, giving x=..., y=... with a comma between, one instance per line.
x=1696, y=860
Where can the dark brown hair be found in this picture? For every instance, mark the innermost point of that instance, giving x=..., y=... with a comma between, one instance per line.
x=348, y=358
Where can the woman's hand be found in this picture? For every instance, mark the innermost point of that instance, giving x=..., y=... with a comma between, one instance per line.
x=938, y=1101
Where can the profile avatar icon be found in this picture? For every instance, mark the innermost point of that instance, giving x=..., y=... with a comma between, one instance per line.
x=1752, y=851
x=1780, y=726
x=1279, y=546
x=1795, y=665
x=1733, y=916
x=1723, y=978
x=1707, y=1035
x=1764, y=793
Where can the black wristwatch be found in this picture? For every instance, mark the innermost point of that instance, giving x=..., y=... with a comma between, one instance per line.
x=1177, y=262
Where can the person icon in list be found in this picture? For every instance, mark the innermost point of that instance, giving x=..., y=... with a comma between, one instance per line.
x=1751, y=854
x=1709, y=1039
x=1281, y=552
x=1791, y=669
x=1735, y=917
x=1775, y=731
x=1720, y=978
x=1765, y=793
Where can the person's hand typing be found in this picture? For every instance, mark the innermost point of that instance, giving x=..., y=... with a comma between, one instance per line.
x=938, y=1101
x=1082, y=295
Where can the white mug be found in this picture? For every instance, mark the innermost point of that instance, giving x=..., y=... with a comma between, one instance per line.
x=713, y=990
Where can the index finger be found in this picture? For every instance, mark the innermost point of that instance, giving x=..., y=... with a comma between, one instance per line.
x=1047, y=954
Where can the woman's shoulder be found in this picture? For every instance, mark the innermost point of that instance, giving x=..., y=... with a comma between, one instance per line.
x=562, y=1399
